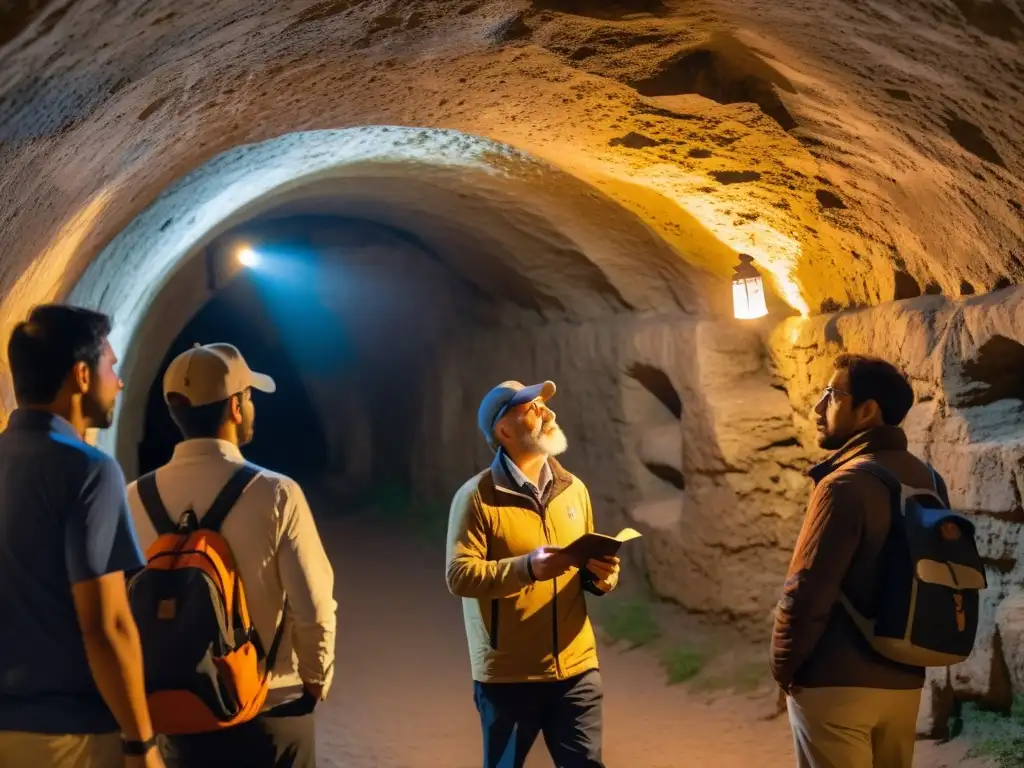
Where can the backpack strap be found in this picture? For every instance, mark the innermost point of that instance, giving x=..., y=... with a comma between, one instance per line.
x=214, y=519
x=865, y=625
x=275, y=646
x=154, y=505
x=895, y=486
x=228, y=497
x=888, y=478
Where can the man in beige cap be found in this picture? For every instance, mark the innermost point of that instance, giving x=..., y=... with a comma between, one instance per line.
x=277, y=550
x=531, y=646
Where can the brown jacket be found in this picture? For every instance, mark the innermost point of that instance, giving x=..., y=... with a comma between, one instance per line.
x=815, y=643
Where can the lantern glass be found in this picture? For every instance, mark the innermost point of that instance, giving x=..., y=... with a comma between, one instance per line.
x=748, y=298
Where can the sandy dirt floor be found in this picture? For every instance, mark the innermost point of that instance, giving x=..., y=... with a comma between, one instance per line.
x=402, y=696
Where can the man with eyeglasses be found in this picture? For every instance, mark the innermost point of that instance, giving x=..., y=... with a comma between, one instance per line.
x=531, y=645
x=848, y=705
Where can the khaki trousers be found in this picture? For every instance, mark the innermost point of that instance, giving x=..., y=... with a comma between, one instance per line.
x=854, y=727
x=36, y=750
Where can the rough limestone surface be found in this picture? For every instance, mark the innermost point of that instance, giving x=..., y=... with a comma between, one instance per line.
x=590, y=169
x=1010, y=623
x=676, y=429
x=938, y=703
x=846, y=152
x=744, y=489
x=968, y=422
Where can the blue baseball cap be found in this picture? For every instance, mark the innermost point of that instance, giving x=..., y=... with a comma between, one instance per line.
x=506, y=395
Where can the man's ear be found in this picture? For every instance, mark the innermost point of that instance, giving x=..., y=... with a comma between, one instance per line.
x=869, y=413
x=81, y=378
x=235, y=407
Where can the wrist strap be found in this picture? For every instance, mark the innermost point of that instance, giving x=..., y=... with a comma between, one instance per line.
x=529, y=567
x=134, y=747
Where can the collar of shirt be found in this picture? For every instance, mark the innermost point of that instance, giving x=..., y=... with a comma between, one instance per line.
x=202, y=448
x=35, y=419
x=517, y=476
x=884, y=438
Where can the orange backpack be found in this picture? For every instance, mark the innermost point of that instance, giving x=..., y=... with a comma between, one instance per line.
x=205, y=666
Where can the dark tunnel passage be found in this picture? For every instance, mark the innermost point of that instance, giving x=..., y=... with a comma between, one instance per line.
x=345, y=315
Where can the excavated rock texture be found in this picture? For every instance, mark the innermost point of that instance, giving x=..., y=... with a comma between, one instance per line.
x=674, y=425
x=968, y=422
x=861, y=151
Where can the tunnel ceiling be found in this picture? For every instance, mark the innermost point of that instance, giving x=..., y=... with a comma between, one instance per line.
x=861, y=151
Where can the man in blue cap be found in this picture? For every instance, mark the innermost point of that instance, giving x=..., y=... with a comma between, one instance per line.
x=531, y=645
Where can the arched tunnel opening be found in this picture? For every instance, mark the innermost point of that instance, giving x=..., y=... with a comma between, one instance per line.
x=390, y=278
x=350, y=318
x=395, y=293
x=445, y=195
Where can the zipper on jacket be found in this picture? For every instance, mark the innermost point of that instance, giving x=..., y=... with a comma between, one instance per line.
x=554, y=604
x=554, y=629
x=542, y=511
x=495, y=606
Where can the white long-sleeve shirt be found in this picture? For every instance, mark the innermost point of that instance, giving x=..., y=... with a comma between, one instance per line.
x=277, y=550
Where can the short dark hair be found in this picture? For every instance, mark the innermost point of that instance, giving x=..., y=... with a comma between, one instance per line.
x=43, y=349
x=872, y=378
x=197, y=421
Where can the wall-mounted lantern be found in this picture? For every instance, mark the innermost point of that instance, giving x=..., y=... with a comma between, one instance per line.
x=748, y=290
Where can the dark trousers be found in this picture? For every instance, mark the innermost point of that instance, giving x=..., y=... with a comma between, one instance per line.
x=283, y=737
x=568, y=712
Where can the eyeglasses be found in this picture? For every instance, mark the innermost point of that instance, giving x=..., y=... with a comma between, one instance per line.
x=534, y=406
x=831, y=392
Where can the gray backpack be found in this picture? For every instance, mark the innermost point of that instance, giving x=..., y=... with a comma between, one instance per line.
x=931, y=579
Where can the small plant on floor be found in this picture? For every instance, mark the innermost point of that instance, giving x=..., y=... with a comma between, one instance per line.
x=742, y=678
x=682, y=663
x=1000, y=737
x=630, y=622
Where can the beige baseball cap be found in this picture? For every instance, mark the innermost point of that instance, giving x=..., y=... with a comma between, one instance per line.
x=210, y=373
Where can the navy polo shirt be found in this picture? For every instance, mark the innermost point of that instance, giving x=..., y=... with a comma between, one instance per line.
x=64, y=519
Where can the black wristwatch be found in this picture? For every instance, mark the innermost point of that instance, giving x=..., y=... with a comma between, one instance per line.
x=137, y=748
x=529, y=567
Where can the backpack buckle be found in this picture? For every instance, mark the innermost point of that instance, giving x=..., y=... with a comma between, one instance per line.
x=188, y=522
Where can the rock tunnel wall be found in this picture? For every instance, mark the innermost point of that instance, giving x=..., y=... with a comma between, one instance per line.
x=674, y=425
x=862, y=152
x=844, y=153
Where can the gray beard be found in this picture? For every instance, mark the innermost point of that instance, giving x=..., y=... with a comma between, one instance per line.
x=553, y=444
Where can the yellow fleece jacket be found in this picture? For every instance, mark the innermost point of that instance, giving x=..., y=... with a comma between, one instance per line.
x=520, y=630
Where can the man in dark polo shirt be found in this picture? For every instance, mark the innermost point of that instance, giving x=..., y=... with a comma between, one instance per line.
x=848, y=705
x=70, y=663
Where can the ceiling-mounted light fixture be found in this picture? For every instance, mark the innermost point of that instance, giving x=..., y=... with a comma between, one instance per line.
x=247, y=257
x=748, y=290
